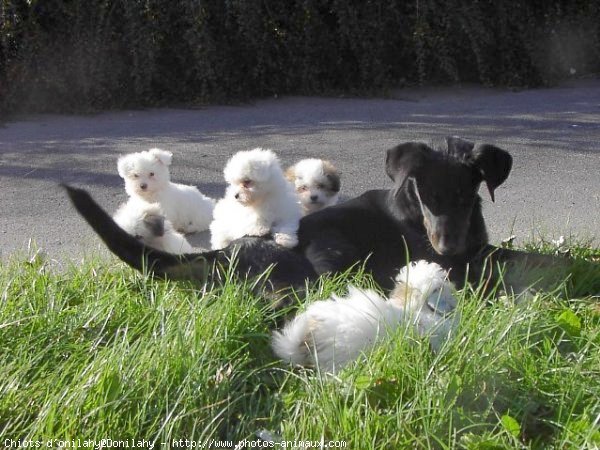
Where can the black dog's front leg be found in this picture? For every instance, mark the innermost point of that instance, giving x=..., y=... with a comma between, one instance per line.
x=518, y=271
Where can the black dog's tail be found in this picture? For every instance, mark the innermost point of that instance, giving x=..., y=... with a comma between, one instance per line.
x=133, y=252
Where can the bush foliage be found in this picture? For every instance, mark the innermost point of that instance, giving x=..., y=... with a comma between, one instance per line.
x=83, y=55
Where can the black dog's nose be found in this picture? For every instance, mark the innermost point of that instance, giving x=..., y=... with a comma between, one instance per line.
x=314, y=198
x=143, y=186
x=447, y=246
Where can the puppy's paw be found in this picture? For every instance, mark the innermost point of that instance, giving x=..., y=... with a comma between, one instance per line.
x=219, y=242
x=259, y=230
x=286, y=240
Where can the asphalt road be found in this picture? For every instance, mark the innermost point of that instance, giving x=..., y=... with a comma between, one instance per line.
x=553, y=135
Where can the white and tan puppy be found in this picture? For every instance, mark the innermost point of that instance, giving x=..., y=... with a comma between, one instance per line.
x=147, y=177
x=258, y=201
x=146, y=222
x=331, y=333
x=317, y=183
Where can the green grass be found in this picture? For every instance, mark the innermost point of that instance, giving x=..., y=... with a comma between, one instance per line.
x=100, y=351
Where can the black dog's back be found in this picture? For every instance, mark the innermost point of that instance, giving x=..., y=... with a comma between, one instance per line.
x=253, y=256
x=359, y=230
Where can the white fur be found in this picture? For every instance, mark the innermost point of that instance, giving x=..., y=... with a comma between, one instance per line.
x=135, y=217
x=313, y=188
x=147, y=177
x=333, y=332
x=265, y=201
x=422, y=289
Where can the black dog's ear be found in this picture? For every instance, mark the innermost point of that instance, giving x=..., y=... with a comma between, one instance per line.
x=459, y=147
x=402, y=160
x=494, y=164
x=155, y=223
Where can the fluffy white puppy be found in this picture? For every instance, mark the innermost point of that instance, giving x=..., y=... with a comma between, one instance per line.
x=147, y=177
x=146, y=222
x=333, y=332
x=317, y=183
x=258, y=201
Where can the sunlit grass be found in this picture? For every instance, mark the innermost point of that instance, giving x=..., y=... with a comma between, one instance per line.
x=100, y=351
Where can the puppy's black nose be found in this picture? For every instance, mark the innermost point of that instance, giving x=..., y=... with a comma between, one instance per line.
x=237, y=195
x=143, y=186
x=314, y=198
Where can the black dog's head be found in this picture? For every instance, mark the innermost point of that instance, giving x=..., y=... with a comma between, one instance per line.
x=445, y=184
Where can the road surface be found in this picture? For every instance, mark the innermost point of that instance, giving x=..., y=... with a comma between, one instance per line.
x=553, y=135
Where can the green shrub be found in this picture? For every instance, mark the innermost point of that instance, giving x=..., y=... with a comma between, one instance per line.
x=82, y=55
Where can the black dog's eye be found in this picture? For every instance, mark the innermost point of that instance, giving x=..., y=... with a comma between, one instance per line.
x=139, y=237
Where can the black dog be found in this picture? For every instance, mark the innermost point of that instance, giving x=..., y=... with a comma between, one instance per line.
x=433, y=213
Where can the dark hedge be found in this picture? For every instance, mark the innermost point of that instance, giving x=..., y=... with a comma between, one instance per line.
x=87, y=55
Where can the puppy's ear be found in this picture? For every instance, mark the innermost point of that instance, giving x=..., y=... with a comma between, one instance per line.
x=290, y=173
x=163, y=156
x=332, y=175
x=404, y=159
x=494, y=165
x=155, y=223
x=124, y=165
x=459, y=147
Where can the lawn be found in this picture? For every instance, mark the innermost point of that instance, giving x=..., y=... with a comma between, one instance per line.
x=99, y=351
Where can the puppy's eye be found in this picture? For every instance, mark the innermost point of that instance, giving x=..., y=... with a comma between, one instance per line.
x=151, y=174
x=320, y=186
x=302, y=189
x=246, y=183
x=135, y=175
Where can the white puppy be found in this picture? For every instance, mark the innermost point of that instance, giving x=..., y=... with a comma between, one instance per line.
x=333, y=332
x=146, y=222
x=317, y=183
x=147, y=177
x=258, y=201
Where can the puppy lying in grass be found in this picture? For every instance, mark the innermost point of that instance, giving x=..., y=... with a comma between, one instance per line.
x=331, y=333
